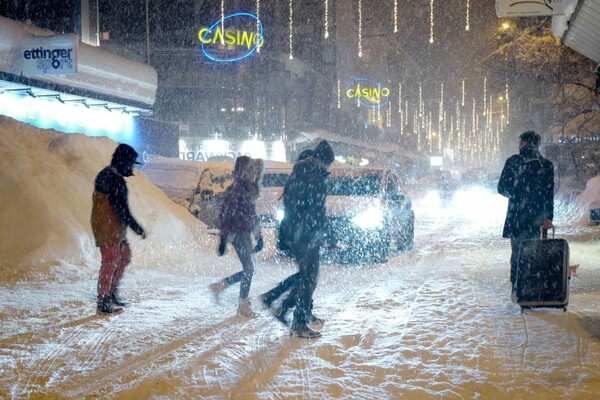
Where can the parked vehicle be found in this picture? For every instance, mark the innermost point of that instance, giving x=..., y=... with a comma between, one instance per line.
x=368, y=214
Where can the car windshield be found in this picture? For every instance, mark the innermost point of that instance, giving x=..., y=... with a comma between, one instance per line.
x=363, y=185
x=274, y=179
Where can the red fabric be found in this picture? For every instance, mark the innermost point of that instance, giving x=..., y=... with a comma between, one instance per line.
x=114, y=260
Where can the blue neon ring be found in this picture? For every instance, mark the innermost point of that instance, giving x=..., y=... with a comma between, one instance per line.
x=378, y=84
x=233, y=16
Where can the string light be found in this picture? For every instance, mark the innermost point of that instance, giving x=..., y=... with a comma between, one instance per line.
x=468, y=25
x=507, y=104
x=463, y=93
x=400, y=98
x=258, y=23
x=339, y=95
x=326, y=19
x=395, y=16
x=291, y=4
x=431, y=21
x=359, y=28
x=484, y=94
x=223, y=22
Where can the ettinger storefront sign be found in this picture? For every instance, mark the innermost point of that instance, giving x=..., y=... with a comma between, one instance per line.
x=232, y=38
x=368, y=93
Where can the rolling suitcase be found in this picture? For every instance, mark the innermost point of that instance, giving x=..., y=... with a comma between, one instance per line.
x=543, y=273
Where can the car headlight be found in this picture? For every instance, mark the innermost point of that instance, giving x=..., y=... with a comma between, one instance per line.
x=370, y=218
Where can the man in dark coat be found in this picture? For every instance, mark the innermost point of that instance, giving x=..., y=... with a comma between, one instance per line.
x=527, y=180
x=110, y=219
x=304, y=228
x=291, y=282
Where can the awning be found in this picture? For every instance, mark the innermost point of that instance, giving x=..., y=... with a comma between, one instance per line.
x=579, y=28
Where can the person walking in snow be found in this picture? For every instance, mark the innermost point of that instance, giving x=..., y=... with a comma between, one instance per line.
x=291, y=282
x=304, y=229
x=110, y=219
x=238, y=222
x=527, y=180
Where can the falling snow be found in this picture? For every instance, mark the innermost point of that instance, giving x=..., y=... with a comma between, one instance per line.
x=435, y=322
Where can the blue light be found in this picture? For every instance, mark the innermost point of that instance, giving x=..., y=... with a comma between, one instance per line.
x=376, y=84
x=252, y=50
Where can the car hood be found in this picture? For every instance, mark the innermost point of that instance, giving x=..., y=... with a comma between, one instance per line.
x=349, y=205
x=269, y=201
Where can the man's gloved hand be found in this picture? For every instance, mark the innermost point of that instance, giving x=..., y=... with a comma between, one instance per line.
x=222, y=245
x=259, y=243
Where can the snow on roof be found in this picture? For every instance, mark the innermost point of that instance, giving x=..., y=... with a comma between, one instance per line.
x=98, y=70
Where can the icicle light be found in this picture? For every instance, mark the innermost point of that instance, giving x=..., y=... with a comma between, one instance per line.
x=257, y=22
x=400, y=98
x=462, y=103
x=507, y=104
x=395, y=16
x=468, y=24
x=326, y=19
x=389, y=115
x=484, y=94
x=360, y=28
x=431, y=20
x=223, y=22
x=291, y=10
x=339, y=95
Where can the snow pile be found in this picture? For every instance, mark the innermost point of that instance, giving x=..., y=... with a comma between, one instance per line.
x=46, y=190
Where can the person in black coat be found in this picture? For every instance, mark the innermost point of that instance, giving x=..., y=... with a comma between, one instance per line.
x=304, y=229
x=291, y=282
x=527, y=180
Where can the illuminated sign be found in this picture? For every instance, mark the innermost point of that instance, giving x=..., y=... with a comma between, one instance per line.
x=198, y=149
x=514, y=8
x=368, y=93
x=69, y=118
x=52, y=55
x=224, y=44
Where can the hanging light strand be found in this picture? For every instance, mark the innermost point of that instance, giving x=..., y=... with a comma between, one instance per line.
x=484, y=94
x=258, y=24
x=359, y=28
x=468, y=23
x=431, y=20
x=222, y=22
x=395, y=16
x=326, y=16
x=462, y=103
x=339, y=95
x=291, y=6
x=507, y=104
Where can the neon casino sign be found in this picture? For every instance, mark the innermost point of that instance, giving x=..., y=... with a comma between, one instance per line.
x=368, y=93
x=245, y=38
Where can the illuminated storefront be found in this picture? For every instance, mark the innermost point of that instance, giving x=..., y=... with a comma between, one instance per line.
x=192, y=148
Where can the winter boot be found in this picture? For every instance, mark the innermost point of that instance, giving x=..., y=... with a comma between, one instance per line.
x=244, y=308
x=280, y=315
x=117, y=301
x=105, y=306
x=218, y=287
x=303, y=331
x=314, y=320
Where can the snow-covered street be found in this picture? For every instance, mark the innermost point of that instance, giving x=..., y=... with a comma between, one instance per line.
x=436, y=322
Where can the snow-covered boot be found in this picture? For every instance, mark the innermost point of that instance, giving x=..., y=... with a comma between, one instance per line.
x=116, y=300
x=218, y=287
x=244, y=308
x=106, y=306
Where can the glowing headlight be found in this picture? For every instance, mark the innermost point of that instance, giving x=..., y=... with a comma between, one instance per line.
x=279, y=215
x=371, y=218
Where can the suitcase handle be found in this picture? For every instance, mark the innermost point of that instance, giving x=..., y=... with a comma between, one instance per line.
x=544, y=232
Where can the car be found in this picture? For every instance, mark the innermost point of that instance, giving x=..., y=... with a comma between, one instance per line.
x=368, y=214
x=275, y=174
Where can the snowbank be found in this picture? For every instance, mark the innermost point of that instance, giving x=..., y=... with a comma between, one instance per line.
x=46, y=186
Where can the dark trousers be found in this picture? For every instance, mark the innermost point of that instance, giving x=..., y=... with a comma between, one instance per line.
x=242, y=243
x=307, y=257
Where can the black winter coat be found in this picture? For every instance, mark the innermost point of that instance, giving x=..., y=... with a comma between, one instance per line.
x=527, y=180
x=304, y=203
